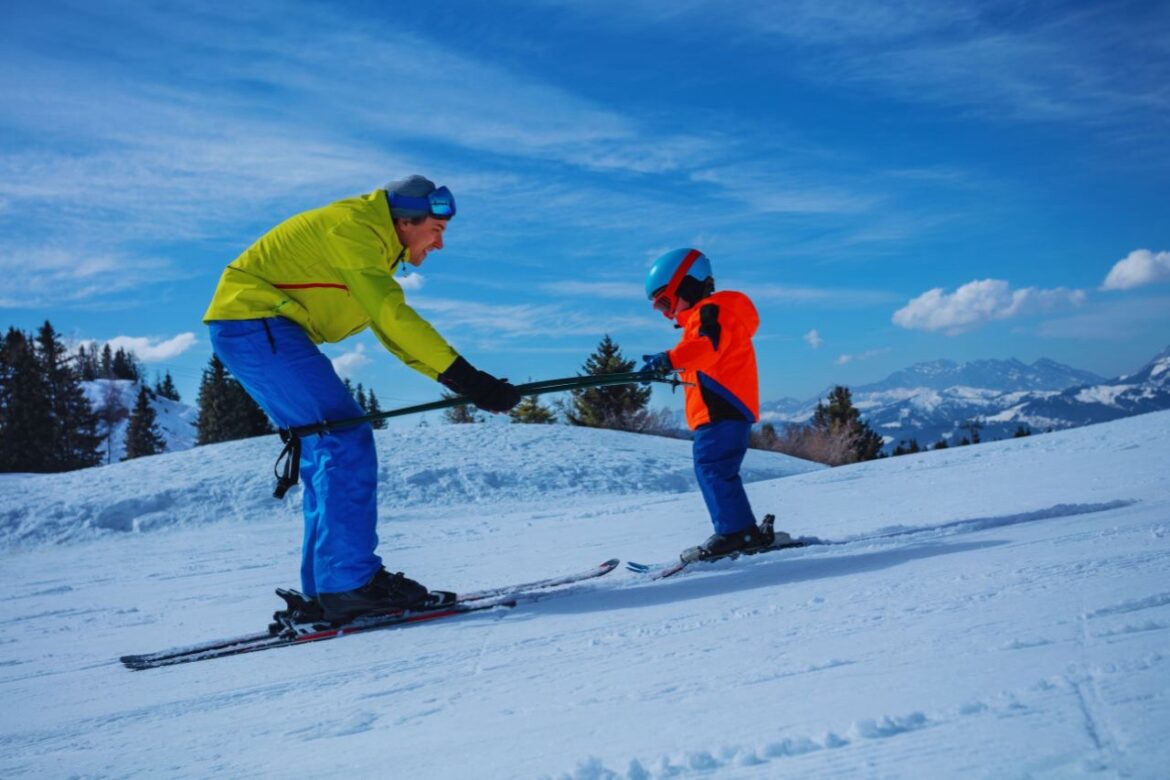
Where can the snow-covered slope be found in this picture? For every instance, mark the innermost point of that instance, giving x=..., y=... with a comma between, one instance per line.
x=991, y=611
x=447, y=470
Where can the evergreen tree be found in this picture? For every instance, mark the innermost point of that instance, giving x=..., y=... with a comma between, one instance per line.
x=973, y=426
x=530, y=410
x=125, y=366
x=907, y=448
x=941, y=444
x=143, y=436
x=226, y=411
x=374, y=408
x=166, y=388
x=26, y=414
x=622, y=407
x=87, y=363
x=841, y=420
x=1022, y=431
x=73, y=433
x=107, y=363
x=461, y=414
x=361, y=397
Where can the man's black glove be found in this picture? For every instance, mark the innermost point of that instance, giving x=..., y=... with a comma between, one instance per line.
x=485, y=391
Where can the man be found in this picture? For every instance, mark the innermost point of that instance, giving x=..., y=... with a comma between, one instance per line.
x=322, y=276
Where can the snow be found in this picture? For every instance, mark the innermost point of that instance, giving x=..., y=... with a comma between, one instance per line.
x=993, y=610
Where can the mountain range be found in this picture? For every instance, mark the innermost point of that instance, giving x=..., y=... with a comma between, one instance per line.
x=932, y=401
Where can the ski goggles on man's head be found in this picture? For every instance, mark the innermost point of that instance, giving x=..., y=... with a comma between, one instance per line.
x=439, y=203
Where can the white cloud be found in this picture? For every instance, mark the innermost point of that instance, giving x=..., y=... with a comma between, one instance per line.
x=871, y=353
x=347, y=365
x=412, y=281
x=979, y=302
x=814, y=339
x=1139, y=268
x=828, y=296
x=618, y=291
x=150, y=350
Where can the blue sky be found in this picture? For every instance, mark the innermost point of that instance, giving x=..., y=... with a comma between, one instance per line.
x=891, y=182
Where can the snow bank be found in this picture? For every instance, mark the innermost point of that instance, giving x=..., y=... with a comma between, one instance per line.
x=419, y=468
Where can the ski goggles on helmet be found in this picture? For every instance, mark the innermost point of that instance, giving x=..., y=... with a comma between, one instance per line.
x=665, y=298
x=439, y=203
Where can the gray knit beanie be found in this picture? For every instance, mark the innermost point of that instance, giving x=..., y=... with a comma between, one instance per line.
x=412, y=187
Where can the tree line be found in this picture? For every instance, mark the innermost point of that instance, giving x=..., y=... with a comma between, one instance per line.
x=49, y=424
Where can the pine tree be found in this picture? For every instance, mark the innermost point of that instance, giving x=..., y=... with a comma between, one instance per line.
x=531, y=411
x=73, y=434
x=125, y=366
x=166, y=388
x=143, y=436
x=373, y=408
x=1022, y=431
x=840, y=420
x=461, y=414
x=226, y=411
x=622, y=407
x=26, y=414
x=106, y=366
x=86, y=361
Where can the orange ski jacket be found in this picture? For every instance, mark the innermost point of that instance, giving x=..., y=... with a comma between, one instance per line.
x=716, y=358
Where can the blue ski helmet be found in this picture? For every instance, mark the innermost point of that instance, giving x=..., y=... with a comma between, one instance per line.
x=668, y=275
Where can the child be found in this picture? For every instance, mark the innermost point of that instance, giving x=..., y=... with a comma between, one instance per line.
x=718, y=364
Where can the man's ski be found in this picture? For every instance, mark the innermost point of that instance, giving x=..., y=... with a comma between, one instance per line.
x=662, y=571
x=293, y=634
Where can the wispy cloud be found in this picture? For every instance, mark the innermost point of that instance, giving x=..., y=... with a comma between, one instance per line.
x=348, y=364
x=979, y=302
x=617, y=291
x=43, y=277
x=872, y=353
x=1111, y=320
x=834, y=297
x=1138, y=269
x=521, y=321
x=813, y=339
x=153, y=350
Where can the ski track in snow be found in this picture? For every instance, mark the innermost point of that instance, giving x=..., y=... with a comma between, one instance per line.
x=990, y=611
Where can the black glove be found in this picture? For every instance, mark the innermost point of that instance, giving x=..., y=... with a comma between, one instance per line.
x=485, y=391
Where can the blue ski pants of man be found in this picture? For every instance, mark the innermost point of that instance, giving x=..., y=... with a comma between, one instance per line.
x=295, y=384
x=719, y=449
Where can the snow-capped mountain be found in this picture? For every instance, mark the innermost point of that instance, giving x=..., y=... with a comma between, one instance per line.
x=932, y=401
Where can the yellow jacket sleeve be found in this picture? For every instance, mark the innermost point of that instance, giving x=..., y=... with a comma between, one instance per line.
x=360, y=262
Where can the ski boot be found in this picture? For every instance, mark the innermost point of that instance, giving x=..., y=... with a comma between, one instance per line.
x=751, y=540
x=385, y=592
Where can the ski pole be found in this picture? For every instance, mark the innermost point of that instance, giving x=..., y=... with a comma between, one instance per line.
x=291, y=437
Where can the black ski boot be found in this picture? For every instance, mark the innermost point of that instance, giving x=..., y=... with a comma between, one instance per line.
x=752, y=539
x=385, y=592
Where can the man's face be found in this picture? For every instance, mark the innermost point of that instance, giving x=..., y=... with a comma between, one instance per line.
x=421, y=238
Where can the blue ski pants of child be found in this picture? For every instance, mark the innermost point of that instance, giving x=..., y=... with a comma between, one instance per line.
x=295, y=384
x=719, y=449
